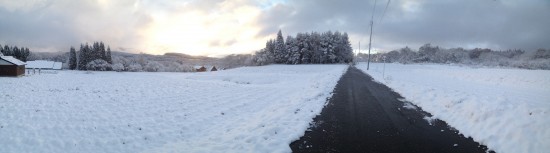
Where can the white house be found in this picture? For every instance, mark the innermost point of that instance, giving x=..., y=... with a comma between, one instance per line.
x=44, y=65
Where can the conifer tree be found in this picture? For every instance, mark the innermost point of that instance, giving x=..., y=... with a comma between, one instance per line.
x=81, y=58
x=307, y=48
x=25, y=54
x=72, y=59
x=16, y=52
x=7, y=51
x=280, y=49
x=108, y=57
x=102, y=51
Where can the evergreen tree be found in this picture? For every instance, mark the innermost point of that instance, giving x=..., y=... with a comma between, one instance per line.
x=314, y=48
x=19, y=53
x=1, y=50
x=89, y=56
x=95, y=54
x=72, y=59
x=24, y=54
x=108, y=57
x=86, y=56
x=292, y=51
x=268, y=53
x=303, y=54
x=270, y=47
x=280, y=49
x=89, y=53
x=16, y=52
x=347, y=52
x=308, y=48
x=81, y=58
x=7, y=51
x=102, y=51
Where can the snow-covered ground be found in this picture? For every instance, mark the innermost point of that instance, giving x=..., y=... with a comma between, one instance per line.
x=250, y=109
x=506, y=109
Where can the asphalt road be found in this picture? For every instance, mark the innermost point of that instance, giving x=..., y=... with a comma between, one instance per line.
x=366, y=116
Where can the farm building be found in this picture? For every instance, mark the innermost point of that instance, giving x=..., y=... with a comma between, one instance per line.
x=199, y=68
x=211, y=68
x=10, y=66
x=44, y=65
x=205, y=68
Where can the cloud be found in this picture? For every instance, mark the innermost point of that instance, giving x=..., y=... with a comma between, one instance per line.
x=206, y=28
x=218, y=27
x=498, y=24
x=57, y=25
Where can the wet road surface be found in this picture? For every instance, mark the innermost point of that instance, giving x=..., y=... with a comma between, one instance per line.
x=366, y=116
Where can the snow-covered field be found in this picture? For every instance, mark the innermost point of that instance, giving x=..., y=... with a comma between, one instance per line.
x=506, y=109
x=250, y=109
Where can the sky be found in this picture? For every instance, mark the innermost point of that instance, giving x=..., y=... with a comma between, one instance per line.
x=222, y=27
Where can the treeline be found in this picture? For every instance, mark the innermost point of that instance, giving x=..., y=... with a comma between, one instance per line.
x=539, y=59
x=175, y=62
x=95, y=57
x=306, y=48
x=19, y=53
x=170, y=62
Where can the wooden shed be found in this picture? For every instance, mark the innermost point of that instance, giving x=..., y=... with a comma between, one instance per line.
x=199, y=68
x=213, y=68
x=10, y=66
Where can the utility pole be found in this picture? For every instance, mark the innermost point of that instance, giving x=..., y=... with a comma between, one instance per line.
x=359, y=51
x=370, y=37
x=384, y=69
x=370, y=43
x=356, y=56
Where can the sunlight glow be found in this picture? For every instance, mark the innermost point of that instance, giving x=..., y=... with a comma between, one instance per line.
x=229, y=29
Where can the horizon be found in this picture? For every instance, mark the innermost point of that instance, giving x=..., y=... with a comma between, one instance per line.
x=219, y=28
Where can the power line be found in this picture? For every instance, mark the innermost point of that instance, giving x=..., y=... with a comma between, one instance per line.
x=384, y=13
x=371, y=26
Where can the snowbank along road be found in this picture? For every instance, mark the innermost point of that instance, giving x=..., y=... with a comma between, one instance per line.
x=506, y=109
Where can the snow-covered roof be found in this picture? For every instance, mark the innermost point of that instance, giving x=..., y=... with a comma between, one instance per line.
x=57, y=65
x=12, y=60
x=41, y=64
x=209, y=68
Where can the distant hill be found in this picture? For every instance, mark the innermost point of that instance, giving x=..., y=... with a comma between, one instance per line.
x=186, y=56
x=169, y=62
